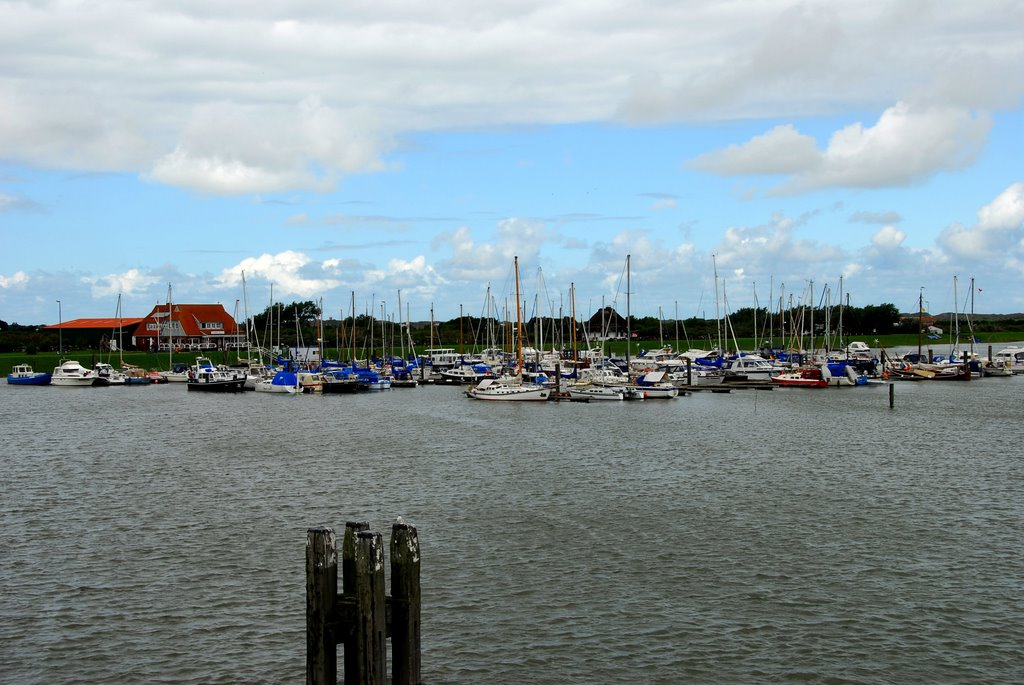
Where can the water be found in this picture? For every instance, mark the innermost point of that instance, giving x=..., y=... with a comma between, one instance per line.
x=148, y=534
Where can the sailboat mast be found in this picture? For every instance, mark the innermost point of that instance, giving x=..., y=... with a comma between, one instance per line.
x=170, y=344
x=120, y=342
x=353, y=341
x=920, y=321
x=572, y=305
x=629, y=330
x=718, y=317
x=519, y=323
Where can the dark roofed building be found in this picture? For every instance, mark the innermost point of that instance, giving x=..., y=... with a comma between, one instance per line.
x=607, y=323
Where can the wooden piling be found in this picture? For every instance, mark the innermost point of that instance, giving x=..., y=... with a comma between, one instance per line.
x=405, y=605
x=321, y=591
x=348, y=582
x=370, y=658
x=892, y=395
x=362, y=617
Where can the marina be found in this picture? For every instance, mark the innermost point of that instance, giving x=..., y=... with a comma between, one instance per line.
x=818, y=535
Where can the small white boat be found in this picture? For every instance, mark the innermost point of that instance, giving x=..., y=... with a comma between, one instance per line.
x=71, y=374
x=589, y=391
x=753, y=366
x=464, y=374
x=310, y=382
x=283, y=382
x=492, y=389
x=996, y=369
x=105, y=374
x=654, y=386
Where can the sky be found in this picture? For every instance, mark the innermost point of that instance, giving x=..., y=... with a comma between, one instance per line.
x=740, y=153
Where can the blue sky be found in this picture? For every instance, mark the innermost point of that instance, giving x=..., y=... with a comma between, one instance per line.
x=326, y=148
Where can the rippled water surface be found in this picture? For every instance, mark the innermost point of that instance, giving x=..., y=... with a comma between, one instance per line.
x=148, y=534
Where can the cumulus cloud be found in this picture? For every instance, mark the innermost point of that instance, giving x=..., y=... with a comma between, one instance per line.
x=19, y=279
x=131, y=282
x=888, y=237
x=906, y=145
x=226, y=149
x=997, y=233
x=289, y=271
x=783, y=150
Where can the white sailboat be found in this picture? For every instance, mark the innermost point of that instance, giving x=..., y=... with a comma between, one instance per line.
x=652, y=385
x=511, y=389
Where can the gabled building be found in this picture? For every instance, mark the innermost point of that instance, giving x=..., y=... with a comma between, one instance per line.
x=607, y=324
x=188, y=327
x=103, y=334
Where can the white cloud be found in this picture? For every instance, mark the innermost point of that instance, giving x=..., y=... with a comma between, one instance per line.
x=239, y=97
x=19, y=279
x=997, y=234
x=1006, y=212
x=286, y=270
x=888, y=237
x=226, y=149
x=907, y=145
x=129, y=283
x=783, y=150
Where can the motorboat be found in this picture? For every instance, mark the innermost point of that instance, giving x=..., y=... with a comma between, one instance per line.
x=589, y=391
x=22, y=374
x=105, y=374
x=752, y=367
x=507, y=391
x=206, y=377
x=71, y=374
x=806, y=377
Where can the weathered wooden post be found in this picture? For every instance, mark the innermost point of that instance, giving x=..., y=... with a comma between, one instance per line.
x=362, y=616
x=348, y=583
x=689, y=371
x=321, y=594
x=892, y=394
x=405, y=605
x=370, y=657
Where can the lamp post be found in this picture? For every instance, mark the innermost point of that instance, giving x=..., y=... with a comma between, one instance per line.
x=60, y=331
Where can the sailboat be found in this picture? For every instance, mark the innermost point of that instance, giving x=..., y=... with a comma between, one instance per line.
x=511, y=389
x=651, y=385
x=105, y=373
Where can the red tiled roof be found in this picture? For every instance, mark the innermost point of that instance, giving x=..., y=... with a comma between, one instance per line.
x=95, y=323
x=190, y=316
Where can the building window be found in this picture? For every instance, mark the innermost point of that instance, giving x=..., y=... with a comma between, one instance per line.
x=152, y=326
x=211, y=326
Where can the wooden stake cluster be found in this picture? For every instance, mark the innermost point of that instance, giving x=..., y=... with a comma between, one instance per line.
x=362, y=617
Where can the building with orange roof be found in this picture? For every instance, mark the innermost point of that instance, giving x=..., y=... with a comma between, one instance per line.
x=188, y=327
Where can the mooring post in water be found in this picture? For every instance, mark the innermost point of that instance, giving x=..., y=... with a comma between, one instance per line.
x=348, y=583
x=405, y=605
x=892, y=395
x=362, y=616
x=321, y=592
x=371, y=615
x=689, y=371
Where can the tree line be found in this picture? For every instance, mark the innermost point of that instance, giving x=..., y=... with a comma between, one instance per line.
x=300, y=324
